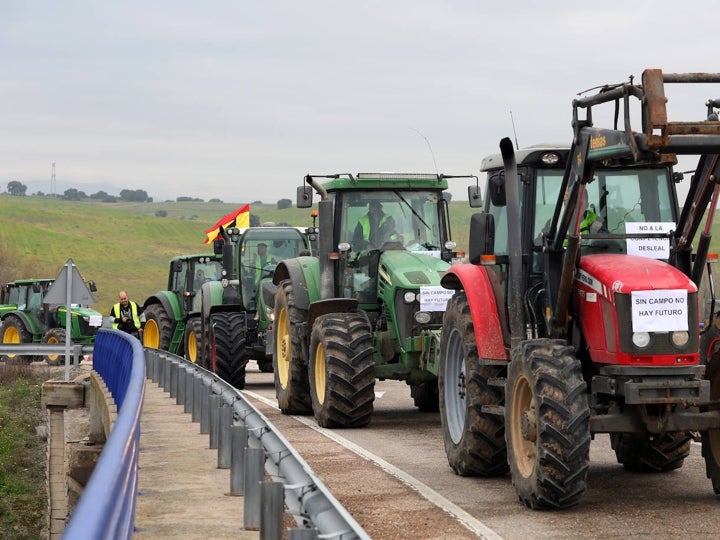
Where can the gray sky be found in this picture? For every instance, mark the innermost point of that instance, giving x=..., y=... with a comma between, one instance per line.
x=238, y=100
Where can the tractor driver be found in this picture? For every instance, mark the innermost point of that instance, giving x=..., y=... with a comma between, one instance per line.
x=374, y=228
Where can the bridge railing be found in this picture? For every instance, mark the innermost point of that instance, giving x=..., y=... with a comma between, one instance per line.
x=106, y=508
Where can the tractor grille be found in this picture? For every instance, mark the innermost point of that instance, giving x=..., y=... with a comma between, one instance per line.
x=661, y=343
x=405, y=312
x=85, y=328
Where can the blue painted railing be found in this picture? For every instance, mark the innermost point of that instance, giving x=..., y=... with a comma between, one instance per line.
x=106, y=508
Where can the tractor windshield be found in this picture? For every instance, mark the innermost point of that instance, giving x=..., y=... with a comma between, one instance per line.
x=411, y=218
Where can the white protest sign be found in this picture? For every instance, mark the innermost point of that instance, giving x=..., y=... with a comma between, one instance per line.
x=654, y=248
x=434, y=298
x=659, y=311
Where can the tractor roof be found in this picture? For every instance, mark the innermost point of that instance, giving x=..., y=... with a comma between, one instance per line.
x=525, y=156
x=386, y=180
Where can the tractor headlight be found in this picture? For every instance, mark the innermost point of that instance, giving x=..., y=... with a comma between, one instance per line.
x=641, y=339
x=450, y=245
x=680, y=339
x=409, y=297
x=423, y=317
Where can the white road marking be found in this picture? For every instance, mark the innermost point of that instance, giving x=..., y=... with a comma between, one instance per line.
x=474, y=525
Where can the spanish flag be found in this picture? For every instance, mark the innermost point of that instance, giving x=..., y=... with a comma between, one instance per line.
x=238, y=218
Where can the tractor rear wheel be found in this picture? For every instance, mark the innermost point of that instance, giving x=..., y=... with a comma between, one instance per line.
x=474, y=440
x=547, y=429
x=711, y=437
x=54, y=336
x=158, y=330
x=638, y=452
x=342, y=370
x=292, y=387
x=14, y=331
x=193, y=341
x=227, y=334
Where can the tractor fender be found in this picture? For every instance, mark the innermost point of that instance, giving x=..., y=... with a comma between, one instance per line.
x=304, y=274
x=169, y=303
x=486, y=307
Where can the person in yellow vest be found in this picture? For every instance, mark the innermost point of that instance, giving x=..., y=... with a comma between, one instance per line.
x=126, y=314
x=374, y=228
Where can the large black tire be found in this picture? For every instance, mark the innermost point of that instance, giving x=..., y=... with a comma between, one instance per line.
x=292, y=387
x=227, y=335
x=192, y=340
x=14, y=331
x=710, y=343
x=158, y=330
x=547, y=428
x=474, y=440
x=638, y=452
x=711, y=437
x=342, y=370
x=54, y=336
x=425, y=396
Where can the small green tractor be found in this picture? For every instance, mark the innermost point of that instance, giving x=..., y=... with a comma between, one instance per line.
x=234, y=321
x=27, y=318
x=172, y=316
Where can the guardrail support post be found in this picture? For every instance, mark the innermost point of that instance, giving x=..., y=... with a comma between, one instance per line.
x=239, y=438
x=197, y=398
x=271, y=511
x=224, y=440
x=254, y=469
x=214, y=420
x=179, y=381
x=173, y=380
x=205, y=408
x=189, y=384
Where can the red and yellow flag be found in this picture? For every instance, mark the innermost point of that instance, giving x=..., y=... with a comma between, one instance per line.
x=238, y=218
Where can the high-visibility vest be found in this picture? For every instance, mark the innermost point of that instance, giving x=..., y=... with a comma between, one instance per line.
x=133, y=310
x=365, y=224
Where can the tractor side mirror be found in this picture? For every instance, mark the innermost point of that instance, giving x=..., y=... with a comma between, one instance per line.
x=482, y=236
x=91, y=285
x=474, y=196
x=304, y=196
x=496, y=189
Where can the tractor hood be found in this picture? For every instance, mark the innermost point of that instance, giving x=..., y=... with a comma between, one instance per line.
x=411, y=270
x=616, y=273
x=79, y=311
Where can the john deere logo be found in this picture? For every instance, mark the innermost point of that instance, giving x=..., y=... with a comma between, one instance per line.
x=597, y=142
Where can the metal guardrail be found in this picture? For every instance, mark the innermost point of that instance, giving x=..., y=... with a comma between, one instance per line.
x=236, y=429
x=75, y=351
x=106, y=508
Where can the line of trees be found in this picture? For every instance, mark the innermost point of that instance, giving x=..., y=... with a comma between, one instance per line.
x=18, y=189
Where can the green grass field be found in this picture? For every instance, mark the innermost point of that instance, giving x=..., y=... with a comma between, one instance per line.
x=124, y=245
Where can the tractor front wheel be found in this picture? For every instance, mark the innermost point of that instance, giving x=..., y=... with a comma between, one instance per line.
x=158, y=330
x=547, y=429
x=193, y=342
x=54, y=336
x=292, y=387
x=342, y=370
x=474, y=439
x=227, y=334
x=711, y=437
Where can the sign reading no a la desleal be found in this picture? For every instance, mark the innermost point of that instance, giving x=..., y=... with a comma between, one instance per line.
x=659, y=311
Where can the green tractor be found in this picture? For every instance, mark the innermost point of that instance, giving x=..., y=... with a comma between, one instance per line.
x=369, y=305
x=27, y=318
x=172, y=316
x=235, y=321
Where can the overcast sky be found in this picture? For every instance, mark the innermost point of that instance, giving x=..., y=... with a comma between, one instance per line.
x=239, y=99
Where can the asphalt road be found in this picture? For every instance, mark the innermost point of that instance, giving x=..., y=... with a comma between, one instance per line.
x=408, y=444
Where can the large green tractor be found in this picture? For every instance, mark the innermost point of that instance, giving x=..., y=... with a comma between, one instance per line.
x=235, y=320
x=27, y=318
x=172, y=316
x=369, y=305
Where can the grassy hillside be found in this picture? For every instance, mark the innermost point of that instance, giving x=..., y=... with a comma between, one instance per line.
x=125, y=245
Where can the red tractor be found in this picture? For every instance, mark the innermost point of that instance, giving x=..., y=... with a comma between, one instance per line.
x=578, y=313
